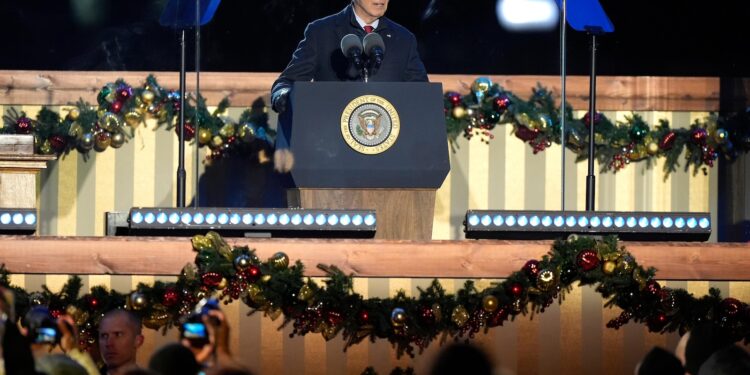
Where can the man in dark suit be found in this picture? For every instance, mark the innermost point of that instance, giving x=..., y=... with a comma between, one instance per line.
x=319, y=58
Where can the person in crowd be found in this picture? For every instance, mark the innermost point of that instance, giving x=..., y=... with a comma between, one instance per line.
x=216, y=353
x=462, y=359
x=119, y=339
x=174, y=359
x=659, y=362
x=703, y=341
x=730, y=360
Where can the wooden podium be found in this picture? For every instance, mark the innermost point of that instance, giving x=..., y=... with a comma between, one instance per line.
x=370, y=145
x=18, y=171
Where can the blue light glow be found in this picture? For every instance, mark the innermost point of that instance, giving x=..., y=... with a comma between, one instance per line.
x=135, y=218
x=235, y=218
x=583, y=221
x=473, y=220
x=308, y=219
x=149, y=218
x=198, y=218
x=631, y=222
x=595, y=222
x=643, y=222
x=534, y=221
x=161, y=218
x=174, y=218
x=668, y=222
x=223, y=218
x=296, y=219
x=357, y=220
x=320, y=219
x=619, y=221
x=345, y=220
x=18, y=218
x=284, y=219
x=679, y=223
x=510, y=220
x=704, y=223
x=570, y=221
x=546, y=221
x=369, y=219
x=211, y=218
x=523, y=221
x=559, y=221
x=333, y=219
x=259, y=219
x=692, y=223
x=655, y=222
x=186, y=218
x=607, y=222
x=30, y=219
x=272, y=219
x=497, y=220
x=5, y=218
x=486, y=220
x=247, y=219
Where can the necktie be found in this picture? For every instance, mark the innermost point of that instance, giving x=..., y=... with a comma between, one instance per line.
x=369, y=29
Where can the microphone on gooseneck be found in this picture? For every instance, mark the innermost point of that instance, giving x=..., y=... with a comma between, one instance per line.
x=374, y=48
x=351, y=47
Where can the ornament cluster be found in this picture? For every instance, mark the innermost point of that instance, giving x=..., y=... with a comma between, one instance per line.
x=538, y=122
x=121, y=108
x=278, y=289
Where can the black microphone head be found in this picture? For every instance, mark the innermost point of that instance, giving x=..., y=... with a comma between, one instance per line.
x=373, y=41
x=349, y=42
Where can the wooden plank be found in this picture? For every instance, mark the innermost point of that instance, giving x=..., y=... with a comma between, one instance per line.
x=366, y=258
x=614, y=93
x=16, y=144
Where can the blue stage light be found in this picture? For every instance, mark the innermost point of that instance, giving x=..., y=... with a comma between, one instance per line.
x=357, y=220
x=247, y=219
x=272, y=219
x=296, y=219
x=18, y=218
x=534, y=221
x=559, y=221
x=607, y=222
x=595, y=221
x=186, y=218
x=222, y=218
x=643, y=222
x=308, y=219
x=679, y=222
x=161, y=218
x=619, y=222
x=473, y=220
x=522, y=221
x=320, y=219
x=583, y=221
x=692, y=222
x=29, y=219
x=655, y=222
x=235, y=218
x=345, y=220
x=149, y=218
x=546, y=221
x=510, y=220
x=333, y=219
x=259, y=219
x=198, y=218
x=631, y=222
x=486, y=220
x=174, y=218
x=136, y=217
x=497, y=220
x=369, y=219
x=704, y=223
x=668, y=222
x=284, y=219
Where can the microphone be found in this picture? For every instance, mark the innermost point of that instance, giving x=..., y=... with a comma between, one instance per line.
x=375, y=48
x=351, y=47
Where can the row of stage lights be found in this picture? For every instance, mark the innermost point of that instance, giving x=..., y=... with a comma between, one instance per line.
x=529, y=224
x=18, y=219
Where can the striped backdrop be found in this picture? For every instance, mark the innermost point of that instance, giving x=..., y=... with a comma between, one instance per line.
x=567, y=339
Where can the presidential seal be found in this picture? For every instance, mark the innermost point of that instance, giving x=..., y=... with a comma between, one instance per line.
x=370, y=124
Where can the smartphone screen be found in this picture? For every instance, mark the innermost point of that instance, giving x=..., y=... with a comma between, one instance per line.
x=194, y=330
x=45, y=335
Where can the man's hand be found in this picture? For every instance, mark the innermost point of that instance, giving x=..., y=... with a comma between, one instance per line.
x=68, y=333
x=280, y=100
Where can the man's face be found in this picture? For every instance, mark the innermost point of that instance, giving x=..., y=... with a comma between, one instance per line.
x=370, y=10
x=118, y=341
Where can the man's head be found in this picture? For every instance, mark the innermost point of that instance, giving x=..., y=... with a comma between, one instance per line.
x=370, y=10
x=119, y=338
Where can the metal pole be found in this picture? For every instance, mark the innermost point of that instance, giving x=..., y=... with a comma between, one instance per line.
x=590, y=178
x=197, y=95
x=181, y=147
x=563, y=97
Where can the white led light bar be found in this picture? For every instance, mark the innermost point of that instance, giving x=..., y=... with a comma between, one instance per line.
x=18, y=220
x=644, y=226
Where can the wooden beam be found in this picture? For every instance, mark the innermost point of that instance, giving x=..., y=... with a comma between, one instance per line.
x=365, y=258
x=614, y=93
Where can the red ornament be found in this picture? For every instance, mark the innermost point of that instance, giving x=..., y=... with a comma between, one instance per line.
x=334, y=318
x=516, y=290
x=363, y=317
x=525, y=134
x=531, y=268
x=698, y=136
x=170, y=297
x=657, y=322
x=211, y=279
x=587, y=260
x=58, y=143
x=652, y=287
x=501, y=103
x=189, y=131
x=123, y=92
x=427, y=315
x=730, y=307
x=453, y=97
x=587, y=118
x=91, y=302
x=116, y=107
x=252, y=273
x=55, y=313
x=498, y=317
x=23, y=125
x=667, y=141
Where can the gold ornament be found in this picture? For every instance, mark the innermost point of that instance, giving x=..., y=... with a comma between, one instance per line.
x=133, y=119
x=609, y=267
x=222, y=284
x=265, y=279
x=138, y=300
x=305, y=293
x=75, y=130
x=117, y=140
x=460, y=316
x=216, y=141
x=437, y=310
x=200, y=242
x=157, y=319
x=625, y=264
x=256, y=294
x=652, y=148
x=102, y=141
x=459, y=112
x=329, y=332
x=147, y=96
x=74, y=113
x=480, y=86
x=45, y=148
x=246, y=133
x=546, y=280
x=489, y=303
x=109, y=122
x=227, y=130
x=640, y=277
x=279, y=260
x=524, y=119
x=204, y=136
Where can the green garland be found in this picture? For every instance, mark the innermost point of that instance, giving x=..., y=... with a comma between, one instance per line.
x=537, y=121
x=121, y=108
x=276, y=288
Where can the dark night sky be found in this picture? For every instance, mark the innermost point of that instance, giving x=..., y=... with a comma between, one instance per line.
x=657, y=37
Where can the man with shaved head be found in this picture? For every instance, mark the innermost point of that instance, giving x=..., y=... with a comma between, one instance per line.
x=119, y=339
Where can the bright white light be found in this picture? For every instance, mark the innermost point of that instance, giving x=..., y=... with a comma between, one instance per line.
x=527, y=15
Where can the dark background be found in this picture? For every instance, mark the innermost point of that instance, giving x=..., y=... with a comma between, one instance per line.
x=657, y=37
